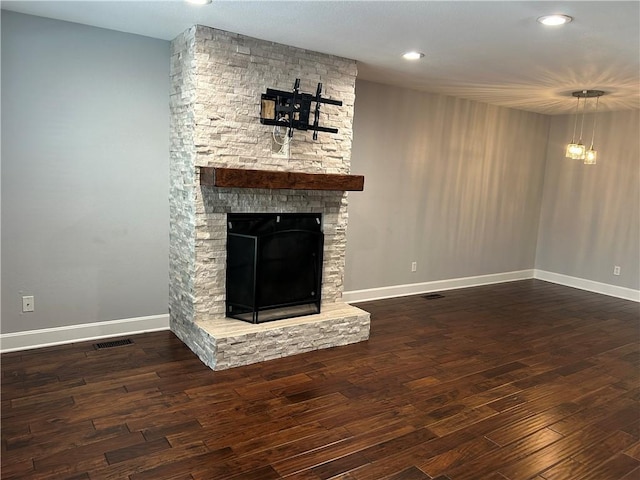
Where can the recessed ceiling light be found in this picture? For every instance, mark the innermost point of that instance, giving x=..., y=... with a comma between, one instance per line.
x=198, y=2
x=554, y=19
x=413, y=55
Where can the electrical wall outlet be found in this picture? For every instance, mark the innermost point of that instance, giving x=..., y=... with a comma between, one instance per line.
x=414, y=266
x=28, y=303
x=616, y=270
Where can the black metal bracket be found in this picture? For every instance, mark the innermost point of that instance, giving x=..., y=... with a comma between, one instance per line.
x=292, y=109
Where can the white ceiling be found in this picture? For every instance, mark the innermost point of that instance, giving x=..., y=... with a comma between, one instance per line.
x=492, y=52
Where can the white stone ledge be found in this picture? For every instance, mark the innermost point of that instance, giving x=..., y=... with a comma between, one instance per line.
x=237, y=343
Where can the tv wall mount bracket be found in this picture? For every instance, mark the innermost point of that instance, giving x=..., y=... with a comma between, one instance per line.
x=293, y=109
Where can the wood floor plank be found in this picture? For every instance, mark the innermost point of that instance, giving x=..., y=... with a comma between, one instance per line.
x=615, y=468
x=192, y=458
x=506, y=435
x=387, y=466
x=162, y=461
x=310, y=459
x=522, y=380
x=493, y=461
x=589, y=459
x=138, y=450
x=634, y=451
x=551, y=455
x=632, y=475
x=456, y=456
x=411, y=473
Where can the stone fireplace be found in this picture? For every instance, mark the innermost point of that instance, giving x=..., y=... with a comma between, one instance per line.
x=216, y=81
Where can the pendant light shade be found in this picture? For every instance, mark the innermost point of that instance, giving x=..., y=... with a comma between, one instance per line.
x=573, y=149
x=577, y=150
x=592, y=155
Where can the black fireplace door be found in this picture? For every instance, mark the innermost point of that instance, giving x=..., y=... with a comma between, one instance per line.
x=274, y=266
x=288, y=270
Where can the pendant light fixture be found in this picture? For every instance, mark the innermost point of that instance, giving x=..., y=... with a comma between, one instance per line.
x=591, y=155
x=574, y=149
x=578, y=151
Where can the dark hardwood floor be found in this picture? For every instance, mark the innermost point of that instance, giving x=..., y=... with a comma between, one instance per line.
x=523, y=380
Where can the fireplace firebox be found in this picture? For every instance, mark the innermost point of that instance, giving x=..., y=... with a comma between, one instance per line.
x=274, y=265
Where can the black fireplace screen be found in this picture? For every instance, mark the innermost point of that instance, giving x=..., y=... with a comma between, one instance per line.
x=274, y=265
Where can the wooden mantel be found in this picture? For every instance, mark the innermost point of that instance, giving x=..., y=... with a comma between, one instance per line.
x=242, y=178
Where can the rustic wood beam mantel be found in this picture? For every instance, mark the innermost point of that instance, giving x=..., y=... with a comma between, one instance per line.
x=242, y=178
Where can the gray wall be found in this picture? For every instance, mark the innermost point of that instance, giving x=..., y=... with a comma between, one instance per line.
x=591, y=214
x=452, y=184
x=85, y=148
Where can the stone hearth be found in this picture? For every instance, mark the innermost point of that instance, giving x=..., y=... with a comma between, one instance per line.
x=217, y=78
x=223, y=343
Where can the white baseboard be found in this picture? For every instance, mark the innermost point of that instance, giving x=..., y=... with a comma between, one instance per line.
x=370, y=294
x=47, y=337
x=435, y=286
x=589, y=285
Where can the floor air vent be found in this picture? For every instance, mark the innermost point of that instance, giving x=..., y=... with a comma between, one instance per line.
x=115, y=343
x=432, y=296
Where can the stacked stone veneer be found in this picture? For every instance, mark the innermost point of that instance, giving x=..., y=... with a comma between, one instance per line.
x=217, y=78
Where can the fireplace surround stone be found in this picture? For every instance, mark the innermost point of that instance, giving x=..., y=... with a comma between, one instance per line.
x=216, y=81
